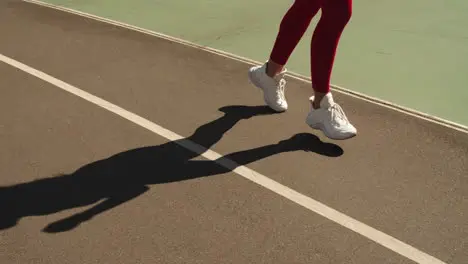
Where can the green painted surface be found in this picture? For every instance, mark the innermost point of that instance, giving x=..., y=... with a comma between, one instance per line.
x=413, y=53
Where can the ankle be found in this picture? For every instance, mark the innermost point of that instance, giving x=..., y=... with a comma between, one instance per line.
x=272, y=69
x=314, y=105
x=317, y=99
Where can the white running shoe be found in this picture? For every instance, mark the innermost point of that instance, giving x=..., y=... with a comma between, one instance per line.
x=330, y=119
x=273, y=88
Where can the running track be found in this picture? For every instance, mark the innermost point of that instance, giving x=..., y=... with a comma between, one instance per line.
x=86, y=182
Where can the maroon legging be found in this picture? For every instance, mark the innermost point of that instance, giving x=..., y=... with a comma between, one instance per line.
x=335, y=15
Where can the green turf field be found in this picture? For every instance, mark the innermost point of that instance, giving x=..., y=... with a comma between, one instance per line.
x=412, y=53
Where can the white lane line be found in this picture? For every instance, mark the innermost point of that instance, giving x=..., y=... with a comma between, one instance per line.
x=305, y=201
x=299, y=77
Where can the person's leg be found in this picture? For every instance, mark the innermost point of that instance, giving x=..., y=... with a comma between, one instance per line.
x=325, y=113
x=292, y=28
x=334, y=18
x=269, y=77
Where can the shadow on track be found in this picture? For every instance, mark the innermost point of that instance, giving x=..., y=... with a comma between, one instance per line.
x=126, y=175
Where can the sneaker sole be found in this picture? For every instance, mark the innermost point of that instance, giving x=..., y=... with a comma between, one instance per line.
x=256, y=84
x=321, y=128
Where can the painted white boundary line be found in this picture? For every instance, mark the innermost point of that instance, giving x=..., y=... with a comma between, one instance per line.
x=380, y=102
x=305, y=201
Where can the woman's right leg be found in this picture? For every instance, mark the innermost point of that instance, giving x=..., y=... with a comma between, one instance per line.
x=269, y=77
x=293, y=26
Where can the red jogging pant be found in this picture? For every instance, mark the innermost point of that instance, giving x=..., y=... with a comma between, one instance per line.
x=335, y=15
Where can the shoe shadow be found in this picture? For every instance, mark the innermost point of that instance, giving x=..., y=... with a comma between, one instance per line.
x=126, y=175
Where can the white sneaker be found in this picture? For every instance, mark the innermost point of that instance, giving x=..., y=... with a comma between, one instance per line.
x=273, y=88
x=330, y=119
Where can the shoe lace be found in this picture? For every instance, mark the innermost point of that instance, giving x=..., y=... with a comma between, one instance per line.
x=337, y=114
x=281, y=88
